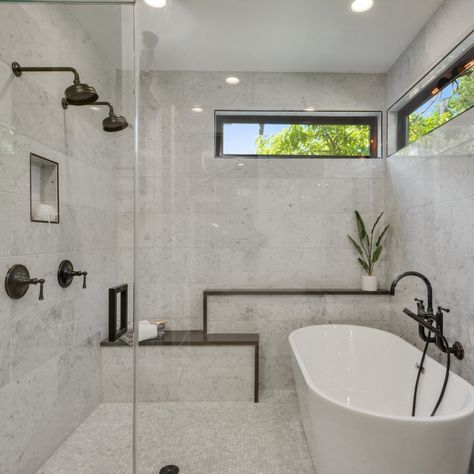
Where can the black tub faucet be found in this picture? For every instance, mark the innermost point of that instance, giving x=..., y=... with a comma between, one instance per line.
x=429, y=291
x=426, y=318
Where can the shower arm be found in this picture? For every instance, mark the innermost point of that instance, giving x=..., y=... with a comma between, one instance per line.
x=108, y=104
x=19, y=70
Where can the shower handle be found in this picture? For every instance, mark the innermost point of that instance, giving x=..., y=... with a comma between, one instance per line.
x=66, y=274
x=18, y=281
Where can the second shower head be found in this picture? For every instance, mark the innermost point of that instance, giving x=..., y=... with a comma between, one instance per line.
x=111, y=123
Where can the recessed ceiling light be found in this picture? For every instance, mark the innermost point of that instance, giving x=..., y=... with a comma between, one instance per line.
x=197, y=109
x=233, y=81
x=360, y=6
x=156, y=3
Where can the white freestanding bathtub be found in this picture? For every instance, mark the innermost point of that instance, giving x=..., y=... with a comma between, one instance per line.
x=355, y=388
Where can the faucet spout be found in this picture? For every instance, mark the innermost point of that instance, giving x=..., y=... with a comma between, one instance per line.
x=429, y=288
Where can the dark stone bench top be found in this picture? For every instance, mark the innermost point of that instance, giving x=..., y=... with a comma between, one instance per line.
x=193, y=338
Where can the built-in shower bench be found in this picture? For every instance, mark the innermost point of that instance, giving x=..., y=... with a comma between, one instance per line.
x=200, y=338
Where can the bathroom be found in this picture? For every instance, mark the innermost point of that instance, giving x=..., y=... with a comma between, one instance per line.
x=192, y=169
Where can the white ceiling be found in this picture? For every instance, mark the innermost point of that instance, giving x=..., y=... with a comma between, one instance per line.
x=265, y=35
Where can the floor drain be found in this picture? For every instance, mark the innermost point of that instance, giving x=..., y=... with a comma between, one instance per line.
x=169, y=469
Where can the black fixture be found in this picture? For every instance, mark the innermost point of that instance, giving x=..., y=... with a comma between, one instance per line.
x=66, y=274
x=433, y=323
x=171, y=469
x=118, y=311
x=427, y=319
x=18, y=281
x=76, y=94
x=111, y=123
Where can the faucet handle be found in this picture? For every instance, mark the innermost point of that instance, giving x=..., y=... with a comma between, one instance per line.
x=420, y=303
x=441, y=309
x=40, y=282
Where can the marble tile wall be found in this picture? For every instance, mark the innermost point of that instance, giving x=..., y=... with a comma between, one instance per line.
x=243, y=223
x=199, y=374
x=276, y=316
x=430, y=199
x=207, y=222
x=49, y=350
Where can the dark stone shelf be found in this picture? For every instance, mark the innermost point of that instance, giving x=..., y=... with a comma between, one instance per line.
x=193, y=338
x=283, y=292
x=294, y=291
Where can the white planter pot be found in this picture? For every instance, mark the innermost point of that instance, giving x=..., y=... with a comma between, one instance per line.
x=369, y=283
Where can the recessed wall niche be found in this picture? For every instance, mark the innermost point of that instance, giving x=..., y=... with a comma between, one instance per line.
x=44, y=190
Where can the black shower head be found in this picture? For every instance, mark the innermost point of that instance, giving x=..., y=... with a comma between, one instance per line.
x=80, y=94
x=112, y=123
x=76, y=94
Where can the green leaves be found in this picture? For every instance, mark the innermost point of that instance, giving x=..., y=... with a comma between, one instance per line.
x=365, y=247
x=360, y=227
x=376, y=254
x=364, y=265
x=356, y=245
x=316, y=139
x=381, y=236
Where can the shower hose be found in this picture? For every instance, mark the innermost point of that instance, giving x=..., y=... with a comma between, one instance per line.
x=420, y=370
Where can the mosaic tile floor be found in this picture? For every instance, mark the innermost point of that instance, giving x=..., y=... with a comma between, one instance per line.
x=201, y=438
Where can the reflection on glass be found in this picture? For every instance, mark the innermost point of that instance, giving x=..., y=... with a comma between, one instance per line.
x=445, y=104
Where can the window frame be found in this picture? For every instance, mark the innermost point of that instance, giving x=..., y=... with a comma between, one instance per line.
x=371, y=118
x=425, y=94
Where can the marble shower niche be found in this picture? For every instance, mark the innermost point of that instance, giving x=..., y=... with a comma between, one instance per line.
x=44, y=190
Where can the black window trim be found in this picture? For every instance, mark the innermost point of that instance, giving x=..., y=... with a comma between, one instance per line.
x=373, y=119
x=424, y=95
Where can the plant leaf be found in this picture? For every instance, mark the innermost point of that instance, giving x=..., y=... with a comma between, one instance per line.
x=364, y=264
x=356, y=245
x=381, y=236
x=377, y=253
x=360, y=226
x=375, y=223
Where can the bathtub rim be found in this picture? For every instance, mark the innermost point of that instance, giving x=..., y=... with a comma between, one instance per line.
x=465, y=412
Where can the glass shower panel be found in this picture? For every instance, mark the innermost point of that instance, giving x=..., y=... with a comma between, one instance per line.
x=65, y=400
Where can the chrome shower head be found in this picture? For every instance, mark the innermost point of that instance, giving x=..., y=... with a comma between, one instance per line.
x=76, y=94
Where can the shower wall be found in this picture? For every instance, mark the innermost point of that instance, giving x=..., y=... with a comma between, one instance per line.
x=49, y=350
x=230, y=223
x=431, y=199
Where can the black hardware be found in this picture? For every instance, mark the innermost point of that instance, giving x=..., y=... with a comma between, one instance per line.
x=112, y=123
x=428, y=320
x=171, y=469
x=18, y=281
x=76, y=94
x=66, y=274
x=118, y=322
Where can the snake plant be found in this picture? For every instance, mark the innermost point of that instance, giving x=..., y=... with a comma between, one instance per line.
x=368, y=248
